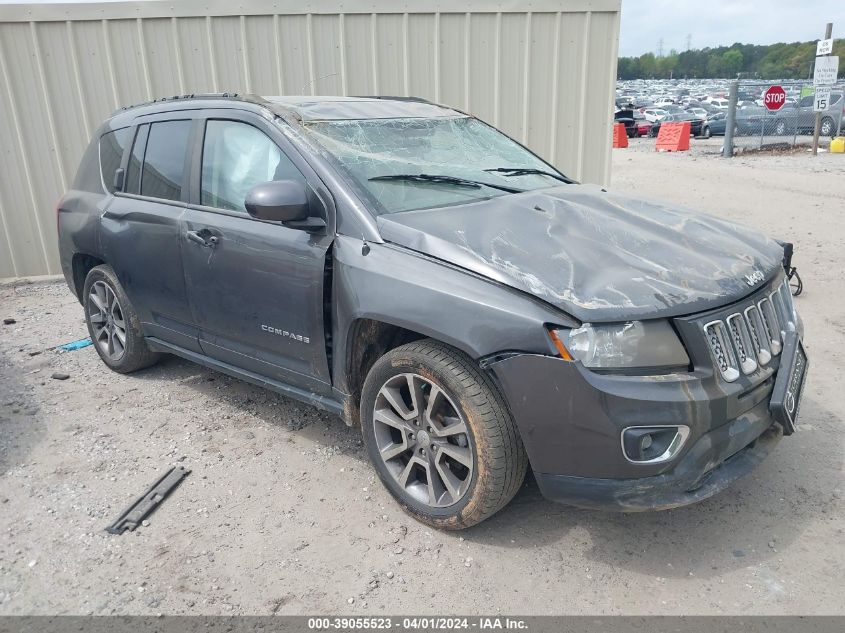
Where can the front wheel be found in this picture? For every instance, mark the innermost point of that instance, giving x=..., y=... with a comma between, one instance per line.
x=440, y=435
x=112, y=323
x=706, y=132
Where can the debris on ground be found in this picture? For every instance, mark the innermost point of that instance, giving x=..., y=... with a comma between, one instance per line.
x=75, y=345
x=135, y=514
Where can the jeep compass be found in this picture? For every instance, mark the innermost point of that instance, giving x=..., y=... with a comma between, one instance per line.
x=430, y=280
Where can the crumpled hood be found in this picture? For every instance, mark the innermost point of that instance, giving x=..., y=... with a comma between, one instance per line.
x=597, y=256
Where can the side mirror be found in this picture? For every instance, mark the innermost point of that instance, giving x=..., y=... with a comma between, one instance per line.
x=284, y=201
x=278, y=201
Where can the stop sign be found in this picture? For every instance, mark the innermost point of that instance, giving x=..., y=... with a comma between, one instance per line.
x=774, y=98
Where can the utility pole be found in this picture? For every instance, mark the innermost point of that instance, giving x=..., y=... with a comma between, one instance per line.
x=660, y=47
x=828, y=34
x=689, y=41
x=730, y=123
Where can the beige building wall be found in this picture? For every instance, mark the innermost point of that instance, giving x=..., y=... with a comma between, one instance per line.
x=543, y=71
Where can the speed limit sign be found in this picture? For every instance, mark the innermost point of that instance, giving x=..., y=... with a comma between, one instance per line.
x=822, y=99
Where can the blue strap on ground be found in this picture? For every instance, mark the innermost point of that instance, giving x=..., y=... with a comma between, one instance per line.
x=69, y=347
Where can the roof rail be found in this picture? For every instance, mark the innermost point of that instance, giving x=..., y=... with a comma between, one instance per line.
x=396, y=98
x=198, y=95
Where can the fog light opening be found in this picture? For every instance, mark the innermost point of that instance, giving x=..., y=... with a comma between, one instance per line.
x=653, y=444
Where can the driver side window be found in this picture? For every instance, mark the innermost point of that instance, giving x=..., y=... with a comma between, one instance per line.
x=235, y=157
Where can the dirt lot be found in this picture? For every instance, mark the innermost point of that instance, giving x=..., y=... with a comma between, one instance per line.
x=283, y=514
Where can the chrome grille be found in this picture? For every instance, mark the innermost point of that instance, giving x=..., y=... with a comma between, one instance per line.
x=750, y=337
x=759, y=338
x=770, y=323
x=742, y=342
x=722, y=350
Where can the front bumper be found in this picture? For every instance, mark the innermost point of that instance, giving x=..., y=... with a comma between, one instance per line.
x=571, y=419
x=689, y=482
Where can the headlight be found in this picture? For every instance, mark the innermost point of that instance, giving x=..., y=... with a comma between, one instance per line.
x=634, y=344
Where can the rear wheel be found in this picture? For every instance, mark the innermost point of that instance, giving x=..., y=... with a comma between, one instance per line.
x=112, y=323
x=440, y=435
x=826, y=128
x=780, y=127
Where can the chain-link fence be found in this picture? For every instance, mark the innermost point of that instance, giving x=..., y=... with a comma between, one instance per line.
x=757, y=127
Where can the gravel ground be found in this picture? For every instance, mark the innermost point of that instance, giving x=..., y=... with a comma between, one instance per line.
x=282, y=513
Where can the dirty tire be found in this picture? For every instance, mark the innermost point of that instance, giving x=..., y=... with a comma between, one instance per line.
x=137, y=354
x=500, y=461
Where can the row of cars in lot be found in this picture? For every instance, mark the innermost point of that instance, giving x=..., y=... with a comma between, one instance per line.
x=644, y=106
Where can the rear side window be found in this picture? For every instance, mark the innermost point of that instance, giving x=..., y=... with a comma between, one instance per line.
x=164, y=160
x=112, y=145
x=88, y=174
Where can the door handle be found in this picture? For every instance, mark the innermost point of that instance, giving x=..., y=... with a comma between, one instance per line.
x=203, y=238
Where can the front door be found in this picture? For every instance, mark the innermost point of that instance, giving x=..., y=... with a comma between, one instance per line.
x=255, y=287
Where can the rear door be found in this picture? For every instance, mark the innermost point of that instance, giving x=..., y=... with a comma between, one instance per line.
x=256, y=288
x=140, y=229
x=806, y=116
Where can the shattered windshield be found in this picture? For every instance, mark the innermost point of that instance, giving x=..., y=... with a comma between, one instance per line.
x=373, y=152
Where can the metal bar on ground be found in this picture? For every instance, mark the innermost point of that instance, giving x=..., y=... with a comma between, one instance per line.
x=131, y=518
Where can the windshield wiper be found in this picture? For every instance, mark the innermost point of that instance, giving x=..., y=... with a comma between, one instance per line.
x=446, y=180
x=529, y=171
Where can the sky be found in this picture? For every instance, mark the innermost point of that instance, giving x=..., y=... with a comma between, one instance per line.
x=723, y=22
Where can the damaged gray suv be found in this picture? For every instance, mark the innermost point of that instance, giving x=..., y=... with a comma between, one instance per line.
x=423, y=276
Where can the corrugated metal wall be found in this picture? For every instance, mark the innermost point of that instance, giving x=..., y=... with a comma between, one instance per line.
x=542, y=71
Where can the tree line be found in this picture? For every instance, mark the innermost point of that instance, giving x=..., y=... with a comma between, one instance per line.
x=772, y=61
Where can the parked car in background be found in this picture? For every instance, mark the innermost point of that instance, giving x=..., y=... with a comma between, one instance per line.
x=832, y=116
x=701, y=113
x=753, y=120
x=654, y=114
x=714, y=125
x=794, y=118
x=643, y=125
x=626, y=118
x=695, y=123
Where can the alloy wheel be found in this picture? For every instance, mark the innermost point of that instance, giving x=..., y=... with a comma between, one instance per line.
x=826, y=128
x=107, y=322
x=423, y=440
